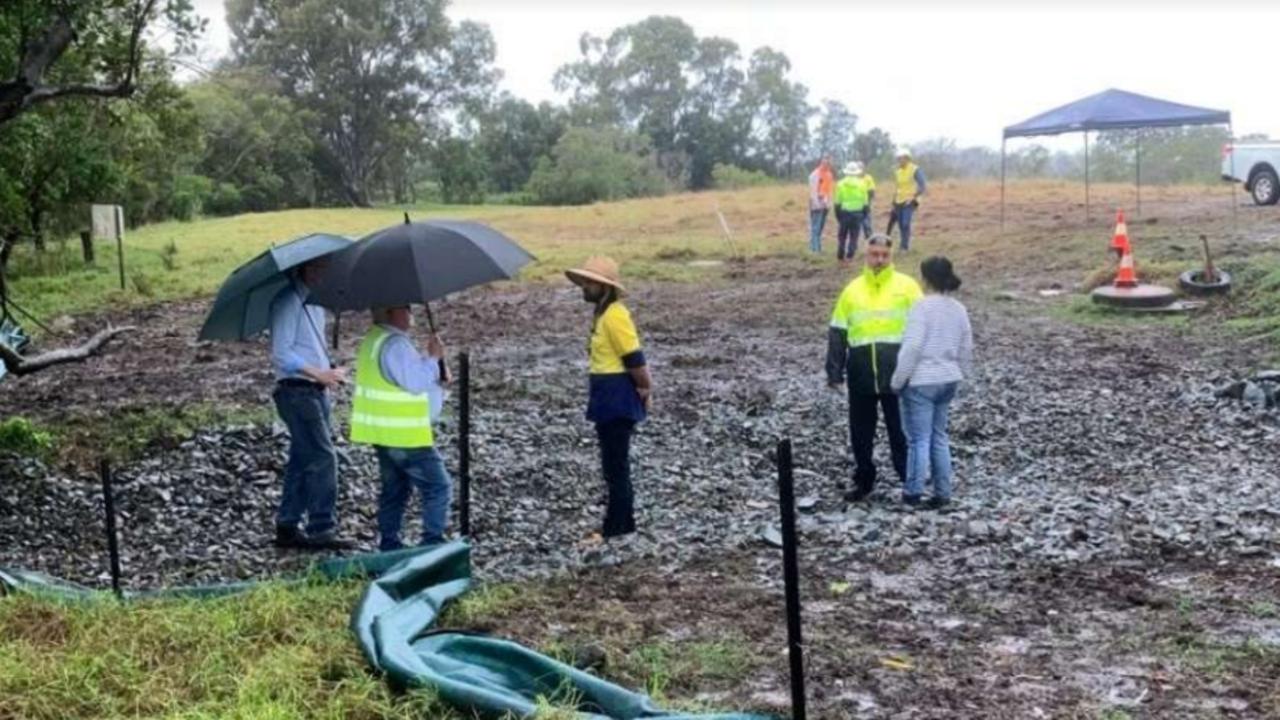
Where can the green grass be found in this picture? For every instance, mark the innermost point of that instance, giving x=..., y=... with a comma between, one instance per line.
x=274, y=652
x=653, y=238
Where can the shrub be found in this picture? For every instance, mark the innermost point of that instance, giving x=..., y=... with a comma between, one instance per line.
x=225, y=200
x=20, y=436
x=462, y=172
x=189, y=193
x=588, y=165
x=732, y=177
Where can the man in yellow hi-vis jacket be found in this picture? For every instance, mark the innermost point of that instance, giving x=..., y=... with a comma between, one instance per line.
x=866, y=330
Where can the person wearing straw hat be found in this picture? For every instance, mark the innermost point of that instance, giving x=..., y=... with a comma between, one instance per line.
x=851, y=204
x=619, y=386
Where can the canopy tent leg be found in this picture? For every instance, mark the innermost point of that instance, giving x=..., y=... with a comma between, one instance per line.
x=1138, y=169
x=1086, y=176
x=1231, y=186
x=1003, y=143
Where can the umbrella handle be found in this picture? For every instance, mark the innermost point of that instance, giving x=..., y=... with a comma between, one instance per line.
x=431, y=323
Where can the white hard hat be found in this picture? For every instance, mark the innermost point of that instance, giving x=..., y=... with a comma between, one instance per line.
x=852, y=168
x=903, y=152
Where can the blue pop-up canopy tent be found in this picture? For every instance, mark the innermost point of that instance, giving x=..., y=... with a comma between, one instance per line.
x=1109, y=110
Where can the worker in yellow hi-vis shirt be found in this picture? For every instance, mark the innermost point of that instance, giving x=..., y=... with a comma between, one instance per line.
x=619, y=386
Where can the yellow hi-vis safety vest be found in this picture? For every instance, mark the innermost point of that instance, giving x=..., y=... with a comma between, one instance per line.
x=381, y=412
x=873, y=308
x=905, y=177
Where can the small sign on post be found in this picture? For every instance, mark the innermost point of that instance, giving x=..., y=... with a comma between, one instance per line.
x=108, y=224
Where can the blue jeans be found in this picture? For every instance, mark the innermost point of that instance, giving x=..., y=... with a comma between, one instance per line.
x=904, y=213
x=924, y=420
x=403, y=469
x=817, y=221
x=311, y=473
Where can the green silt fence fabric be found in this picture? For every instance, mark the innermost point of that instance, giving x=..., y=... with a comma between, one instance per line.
x=342, y=568
x=392, y=623
x=495, y=677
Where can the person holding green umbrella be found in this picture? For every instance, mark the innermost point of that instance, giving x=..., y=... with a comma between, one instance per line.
x=273, y=292
x=304, y=379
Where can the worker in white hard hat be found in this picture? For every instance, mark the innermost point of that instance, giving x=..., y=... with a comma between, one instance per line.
x=851, y=203
x=908, y=186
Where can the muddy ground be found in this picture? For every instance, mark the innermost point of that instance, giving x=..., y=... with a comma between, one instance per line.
x=1114, y=551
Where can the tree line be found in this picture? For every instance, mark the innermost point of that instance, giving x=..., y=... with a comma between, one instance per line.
x=359, y=102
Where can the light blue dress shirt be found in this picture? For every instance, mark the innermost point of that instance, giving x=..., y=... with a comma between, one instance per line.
x=413, y=372
x=297, y=333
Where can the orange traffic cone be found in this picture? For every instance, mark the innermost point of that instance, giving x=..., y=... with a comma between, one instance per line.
x=1127, y=277
x=1120, y=240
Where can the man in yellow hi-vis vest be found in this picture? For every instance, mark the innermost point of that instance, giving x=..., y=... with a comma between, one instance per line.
x=908, y=187
x=398, y=393
x=866, y=330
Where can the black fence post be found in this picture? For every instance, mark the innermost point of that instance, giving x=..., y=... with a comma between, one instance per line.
x=86, y=246
x=791, y=577
x=113, y=545
x=464, y=445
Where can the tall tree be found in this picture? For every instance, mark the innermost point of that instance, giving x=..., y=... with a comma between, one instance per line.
x=837, y=129
x=52, y=50
x=779, y=113
x=378, y=75
x=637, y=78
x=874, y=149
x=712, y=131
x=257, y=152
x=513, y=134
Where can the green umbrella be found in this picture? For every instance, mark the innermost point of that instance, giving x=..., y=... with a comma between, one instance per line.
x=242, y=307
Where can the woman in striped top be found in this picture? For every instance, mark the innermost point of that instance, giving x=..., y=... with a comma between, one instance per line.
x=936, y=354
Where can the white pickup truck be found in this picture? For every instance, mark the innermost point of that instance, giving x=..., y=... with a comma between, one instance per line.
x=1257, y=166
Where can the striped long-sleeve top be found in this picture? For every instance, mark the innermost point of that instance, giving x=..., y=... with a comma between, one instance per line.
x=937, y=345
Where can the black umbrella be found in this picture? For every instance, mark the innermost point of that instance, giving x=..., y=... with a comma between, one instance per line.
x=417, y=263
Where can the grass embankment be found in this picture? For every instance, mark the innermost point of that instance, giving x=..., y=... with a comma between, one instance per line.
x=275, y=652
x=654, y=238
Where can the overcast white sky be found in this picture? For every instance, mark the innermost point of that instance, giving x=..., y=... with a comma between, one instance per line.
x=972, y=68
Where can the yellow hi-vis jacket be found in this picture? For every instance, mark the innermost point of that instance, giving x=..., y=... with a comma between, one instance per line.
x=381, y=412
x=851, y=194
x=866, y=329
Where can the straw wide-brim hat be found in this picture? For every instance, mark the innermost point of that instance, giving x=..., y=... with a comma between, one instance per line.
x=603, y=270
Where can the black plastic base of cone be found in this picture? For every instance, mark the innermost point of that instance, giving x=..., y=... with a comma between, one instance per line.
x=1142, y=296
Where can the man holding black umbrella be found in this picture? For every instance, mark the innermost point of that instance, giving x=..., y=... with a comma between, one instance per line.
x=619, y=387
x=398, y=395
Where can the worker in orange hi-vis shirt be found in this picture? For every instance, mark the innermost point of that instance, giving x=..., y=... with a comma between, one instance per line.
x=822, y=184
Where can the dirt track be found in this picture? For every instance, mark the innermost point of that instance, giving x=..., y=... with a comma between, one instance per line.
x=1084, y=569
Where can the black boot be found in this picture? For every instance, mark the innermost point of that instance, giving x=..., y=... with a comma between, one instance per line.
x=289, y=536
x=327, y=540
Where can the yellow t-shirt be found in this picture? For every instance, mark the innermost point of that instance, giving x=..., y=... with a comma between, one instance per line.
x=614, y=338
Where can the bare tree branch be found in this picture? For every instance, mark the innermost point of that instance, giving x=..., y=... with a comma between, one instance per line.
x=28, y=89
x=19, y=365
